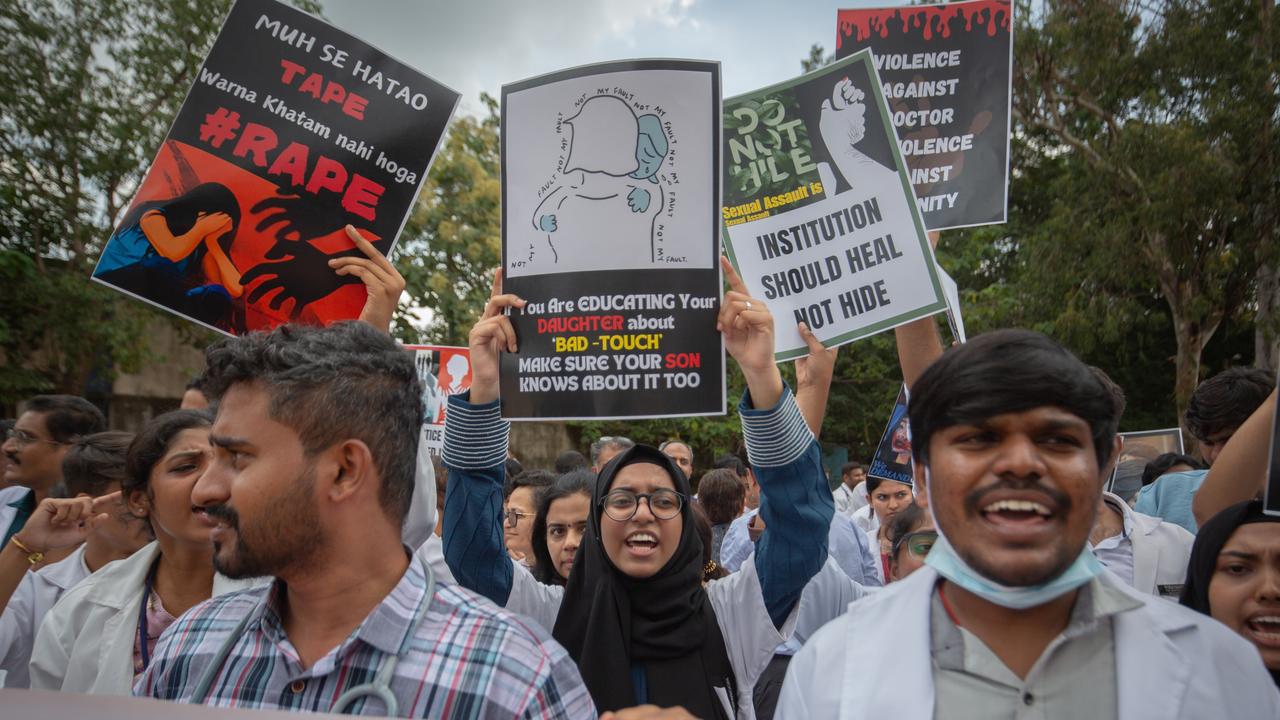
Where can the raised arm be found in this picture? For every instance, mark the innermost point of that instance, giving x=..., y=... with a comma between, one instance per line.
x=813, y=379
x=918, y=342
x=1240, y=470
x=475, y=448
x=795, y=502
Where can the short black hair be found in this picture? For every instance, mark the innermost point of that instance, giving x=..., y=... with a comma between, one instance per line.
x=511, y=467
x=849, y=467
x=196, y=383
x=571, y=460
x=95, y=463
x=1009, y=371
x=732, y=462
x=1226, y=400
x=344, y=381
x=721, y=495
x=152, y=442
x=529, y=478
x=1161, y=464
x=67, y=417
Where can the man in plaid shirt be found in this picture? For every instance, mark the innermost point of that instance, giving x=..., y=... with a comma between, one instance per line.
x=313, y=469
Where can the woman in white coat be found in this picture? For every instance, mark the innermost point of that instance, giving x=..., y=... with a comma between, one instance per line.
x=93, y=471
x=100, y=634
x=634, y=614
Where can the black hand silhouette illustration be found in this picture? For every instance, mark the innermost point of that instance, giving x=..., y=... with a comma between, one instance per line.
x=301, y=272
x=303, y=275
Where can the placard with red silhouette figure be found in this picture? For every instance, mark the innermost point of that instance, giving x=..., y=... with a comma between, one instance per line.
x=443, y=371
x=292, y=130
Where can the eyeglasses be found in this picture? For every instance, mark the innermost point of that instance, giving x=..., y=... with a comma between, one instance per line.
x=621, y=505
x=918, y=543
x=513, y=516
x=24, y=438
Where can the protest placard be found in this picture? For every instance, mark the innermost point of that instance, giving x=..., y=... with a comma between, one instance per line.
x=819, y=217
x=1139, y=447
x=892, y=460
x=443, y=371
x=955, y=320
x=947, y=72
x=292, y=130
x=610, y=190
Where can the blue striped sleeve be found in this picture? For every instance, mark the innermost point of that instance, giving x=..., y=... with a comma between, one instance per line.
x=475, y=436
x=795, y=502
x=475, y=452
x=776, y=436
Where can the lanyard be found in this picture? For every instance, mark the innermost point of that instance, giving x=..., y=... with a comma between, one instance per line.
x=147, y=588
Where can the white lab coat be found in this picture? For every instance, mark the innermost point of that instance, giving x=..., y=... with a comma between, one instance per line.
x=866, y=519
x=85, y=643
x=1161, y=551
x=850, y=501
x=749, y=634
x=26, y=609
x=1171, y=662
x=9, y=495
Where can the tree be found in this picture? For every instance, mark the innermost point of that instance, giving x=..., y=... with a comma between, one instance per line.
x=90, y=89
x=453, y=241
x=1168, y=186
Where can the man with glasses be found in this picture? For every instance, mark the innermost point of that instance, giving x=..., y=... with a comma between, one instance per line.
x=34, y=448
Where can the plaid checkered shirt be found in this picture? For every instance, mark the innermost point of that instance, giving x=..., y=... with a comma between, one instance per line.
x=466, y=658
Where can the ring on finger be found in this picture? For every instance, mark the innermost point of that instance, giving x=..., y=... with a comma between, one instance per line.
x=748, y=304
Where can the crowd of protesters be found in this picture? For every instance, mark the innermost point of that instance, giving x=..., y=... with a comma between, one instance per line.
x=283, y=542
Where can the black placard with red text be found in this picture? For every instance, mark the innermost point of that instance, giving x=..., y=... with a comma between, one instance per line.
x=946, y=73
x=292, y=130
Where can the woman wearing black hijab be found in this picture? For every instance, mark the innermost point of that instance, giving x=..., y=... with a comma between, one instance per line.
x=634, y=613
x=1234, y=577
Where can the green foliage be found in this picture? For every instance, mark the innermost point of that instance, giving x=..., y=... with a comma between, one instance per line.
x=453, y=241
x=90, y=89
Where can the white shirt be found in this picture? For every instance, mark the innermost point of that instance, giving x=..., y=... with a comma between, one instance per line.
x=34, y=597
x=849, y=501
x=8, y=496
x=1116, y=552
x=85, y=643
x=1172, y=663
x=866, y=519
x=1153, y=556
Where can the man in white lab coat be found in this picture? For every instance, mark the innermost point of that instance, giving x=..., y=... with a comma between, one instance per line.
x=1012, y=613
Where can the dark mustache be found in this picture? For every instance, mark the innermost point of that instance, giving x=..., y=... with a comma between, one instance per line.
x=974, y=501
x=223, y=512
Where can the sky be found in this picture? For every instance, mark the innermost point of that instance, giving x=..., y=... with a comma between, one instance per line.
x=479, y=45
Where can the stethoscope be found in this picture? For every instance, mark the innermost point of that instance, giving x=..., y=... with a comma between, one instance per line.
x=380, y=688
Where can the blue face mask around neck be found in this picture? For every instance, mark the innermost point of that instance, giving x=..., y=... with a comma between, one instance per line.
x=943, y=558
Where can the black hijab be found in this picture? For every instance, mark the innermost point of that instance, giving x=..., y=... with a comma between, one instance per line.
x=1211, y=538
x=609, y=621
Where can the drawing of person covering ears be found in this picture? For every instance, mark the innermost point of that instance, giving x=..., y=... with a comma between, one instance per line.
x=610, y=182
x=175, y=253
